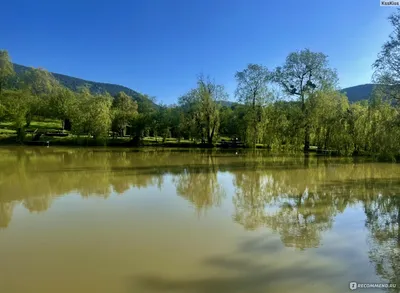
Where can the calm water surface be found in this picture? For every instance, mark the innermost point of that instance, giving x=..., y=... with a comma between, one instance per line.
x=122, y=221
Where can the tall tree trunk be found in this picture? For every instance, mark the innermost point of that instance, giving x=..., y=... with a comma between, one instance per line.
x=306, y=125
x=20, y=134
x=254, y=119
x=67, y=124
x=307, y=139
x=255, y=130
x=326, y=138
x=28, y=119
x=211, y=135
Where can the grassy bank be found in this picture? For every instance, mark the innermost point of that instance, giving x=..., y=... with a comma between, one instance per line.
x=8, y=136
x=73, y=140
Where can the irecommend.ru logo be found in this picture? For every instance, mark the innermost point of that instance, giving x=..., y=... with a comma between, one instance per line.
x=355, y=285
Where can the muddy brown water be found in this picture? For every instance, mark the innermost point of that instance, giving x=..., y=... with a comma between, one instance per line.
x=125, y=221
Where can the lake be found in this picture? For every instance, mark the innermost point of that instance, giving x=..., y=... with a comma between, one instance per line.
x=125, y=221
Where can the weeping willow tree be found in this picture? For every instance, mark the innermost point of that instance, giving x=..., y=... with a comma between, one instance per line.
x=202, y=109
x=303, y=73
x=252, y=91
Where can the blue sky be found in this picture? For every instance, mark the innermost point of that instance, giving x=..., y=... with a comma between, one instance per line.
x=158, y=47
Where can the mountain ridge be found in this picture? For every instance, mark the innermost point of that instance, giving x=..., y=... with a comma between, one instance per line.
x=75, y=83
x=359, y=92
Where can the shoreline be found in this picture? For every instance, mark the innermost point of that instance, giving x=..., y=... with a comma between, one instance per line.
x=79, y=142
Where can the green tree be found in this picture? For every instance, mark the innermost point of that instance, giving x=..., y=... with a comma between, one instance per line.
x=328, y=120
x=15, y=106
x=60, y=104
x=124, y=111
x=252, y=90
x=177, y=122
x=387, y=65
x=190, y=106
x=6, y=68
x=100, y=116
x=39, y=81
x=303, y=73
x=164, y=121
x=92, y=115
x=283, y=127
x=359, y=126
x=144, y=122
x=42, y=86
x=227, y=122
x=384, y=131
x=201, y=107
x=210, y=96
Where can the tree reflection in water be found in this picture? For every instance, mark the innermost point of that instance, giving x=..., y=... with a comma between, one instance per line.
x=297, y=198
x=200, y=185
x=383, y=222
x=6, y=211
x=301, y=204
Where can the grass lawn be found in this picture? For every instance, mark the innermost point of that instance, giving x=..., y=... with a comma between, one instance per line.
x=7, y=131
x=47, y=124
x=168, y=140
x=8, y=135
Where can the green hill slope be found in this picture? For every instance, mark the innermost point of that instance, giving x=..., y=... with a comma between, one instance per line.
x=359, y=92
x=75, y=84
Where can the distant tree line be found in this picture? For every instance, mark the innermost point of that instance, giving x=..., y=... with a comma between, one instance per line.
x=293, y=106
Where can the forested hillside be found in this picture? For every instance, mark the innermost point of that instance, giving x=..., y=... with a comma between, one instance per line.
x=76, y=84
x=359, y=92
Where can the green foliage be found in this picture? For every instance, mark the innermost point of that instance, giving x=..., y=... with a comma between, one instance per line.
x=165, y=122
x=387, y=65
x=40, y=82
x=60, y=104
x=201, y=108
x=42, y=85
x=15, y=107
x=92, y=115
x=327, y=120
x=253, y=92
x=283, y=128
x=6, y=68
x=124, y=111
x=228, y=122
x=303, y=73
